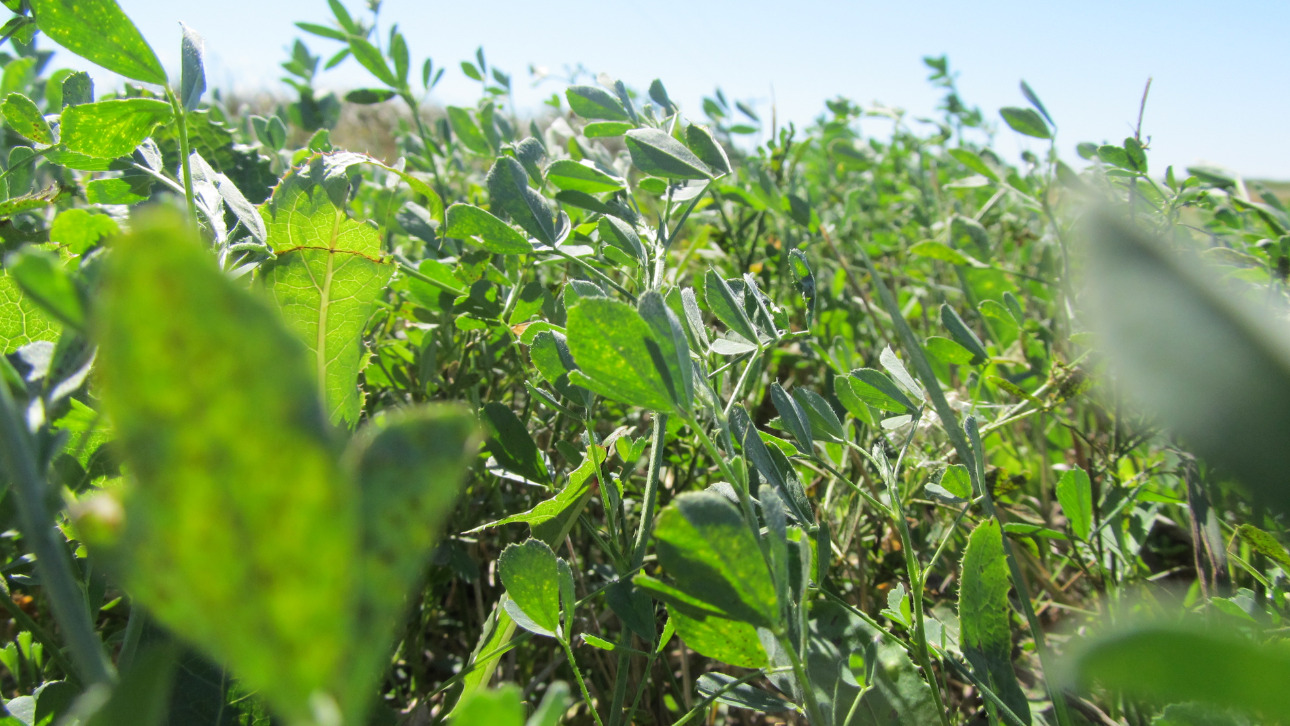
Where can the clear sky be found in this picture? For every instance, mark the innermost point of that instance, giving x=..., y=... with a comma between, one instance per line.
x=1220, y=94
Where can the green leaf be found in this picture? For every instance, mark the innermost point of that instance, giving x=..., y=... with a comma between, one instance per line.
x=957, y=481
x=562, y=507
x=499, y=707
x=1026, y=121
x=246, y=439
x=1214, y=365
x=939, y=251
x=511, y=196
x=110, y=129
x=971, y=160
x=369, y=96
x=511, y=445
x=985, y=617
x=582, y=176
x=80, y=229
x=23, y=117
x=1186, y=662
x=45, y=281
x=656, y=153
x=193, y=70
x=623, y=236
x=131, y=189
x=593, y=102
x=370, y=58
x=743, y=695
x=22, y=321
x=728, y=308
x=963, y=335
x=99, y=32
x=948, y=351
x=467, y=131
x=616, y=350
x=606, y=129
x=1075, y=493
x=877, y=390
x=793, y=417
x=700, y=141
x=669, y=350
x=710, y=554
x=410, y=466
x=823, y=419
x=471, y=223
x=531, y=577
x=1034, y=101
x=327, y=277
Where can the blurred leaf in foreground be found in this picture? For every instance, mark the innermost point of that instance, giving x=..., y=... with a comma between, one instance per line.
x=1195, y=351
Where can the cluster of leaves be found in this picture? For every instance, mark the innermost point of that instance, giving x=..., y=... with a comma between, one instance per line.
x=810, y=428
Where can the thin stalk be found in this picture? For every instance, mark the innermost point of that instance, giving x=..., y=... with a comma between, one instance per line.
x=646, y=526
x=914, y=573
x=753, y=359
x=582, y=685
x=799, y=672
x=27, y=161
x=65, y=595
x=594, y=272
x=965, y=452
x=181, y=123
x=711, y=699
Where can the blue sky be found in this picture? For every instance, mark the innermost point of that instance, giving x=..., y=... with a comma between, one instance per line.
x=1220, y=94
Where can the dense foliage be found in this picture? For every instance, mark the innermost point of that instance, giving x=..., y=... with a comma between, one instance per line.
x=616, y=415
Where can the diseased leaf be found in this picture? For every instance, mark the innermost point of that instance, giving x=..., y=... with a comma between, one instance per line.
x=21, y=114
x=329, y=273
x=409, y=466
x=99, y=32
x=616, y=353
x=985, y=617
x=246, y=439
x=109, y=129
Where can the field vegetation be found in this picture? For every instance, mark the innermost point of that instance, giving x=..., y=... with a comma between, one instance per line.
x=341, y=409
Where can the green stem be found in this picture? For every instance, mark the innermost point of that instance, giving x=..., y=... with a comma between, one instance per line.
x=181, y=123
x=582, y=685
x=799, y=672
x=39, y=531
x=24, y=622
x=591, y=270
x=949, y=421
x=914, y=573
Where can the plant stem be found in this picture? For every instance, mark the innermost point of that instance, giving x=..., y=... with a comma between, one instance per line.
x=582, y=685
x=799, y=672
x=595, y=272
x=956, y=434
x=65, y=595
x=181, y=123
